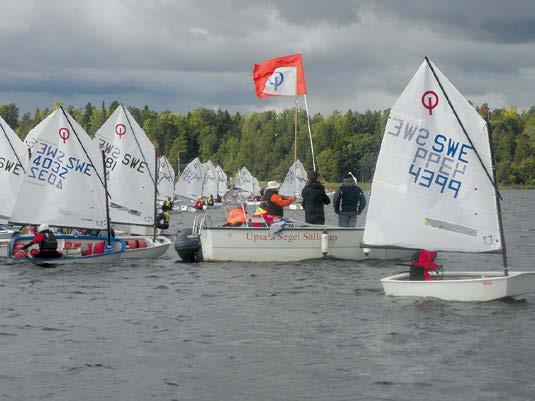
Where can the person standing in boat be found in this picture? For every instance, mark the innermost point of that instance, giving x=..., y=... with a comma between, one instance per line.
x=314, y=198
x=275, y=202
x=349, y=201
x=167, y=205
x=422, y=262
x=210, y=201
x=48, y=244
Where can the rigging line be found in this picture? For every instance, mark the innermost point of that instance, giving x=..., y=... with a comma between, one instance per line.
x=464, y=129
x=12, y=148
x=82, y=145
x=137, y=143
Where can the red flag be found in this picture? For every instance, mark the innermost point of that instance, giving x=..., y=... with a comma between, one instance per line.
x=281, y=76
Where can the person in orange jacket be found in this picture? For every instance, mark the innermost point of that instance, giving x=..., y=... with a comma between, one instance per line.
x=422, y=262
x=274, y=201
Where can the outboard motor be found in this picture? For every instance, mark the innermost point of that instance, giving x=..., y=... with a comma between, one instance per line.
x=188, y=246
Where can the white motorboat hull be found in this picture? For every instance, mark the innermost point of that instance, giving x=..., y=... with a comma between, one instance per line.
x=6, y=234
x=4, y=246
x=153, y=250
x=462, y=286
x=258, y=245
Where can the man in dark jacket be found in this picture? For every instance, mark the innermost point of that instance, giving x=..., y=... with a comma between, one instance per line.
x=314, y=197
x=349, y=201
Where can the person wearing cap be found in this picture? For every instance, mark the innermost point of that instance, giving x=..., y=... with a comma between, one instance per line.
x=314, y=198
x=349, y=201
x=275, y=202
x=48, y=244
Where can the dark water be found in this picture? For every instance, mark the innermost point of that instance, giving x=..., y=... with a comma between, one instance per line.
x=320, y=330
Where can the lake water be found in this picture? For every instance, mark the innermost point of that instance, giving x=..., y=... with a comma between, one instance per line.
x=320, y=330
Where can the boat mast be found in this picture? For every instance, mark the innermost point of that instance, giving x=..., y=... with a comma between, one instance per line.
x=498, y=195
x=108, y=226
x=156, y=173
x=492, y=181
x=295, y=141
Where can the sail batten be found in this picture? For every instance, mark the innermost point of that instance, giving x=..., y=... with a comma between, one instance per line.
x=429, y=190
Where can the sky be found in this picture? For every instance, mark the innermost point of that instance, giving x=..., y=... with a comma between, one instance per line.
x=178, y=55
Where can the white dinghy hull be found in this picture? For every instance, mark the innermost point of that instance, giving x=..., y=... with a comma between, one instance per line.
x=152, y=250
x=254, y=244
x=462, y=286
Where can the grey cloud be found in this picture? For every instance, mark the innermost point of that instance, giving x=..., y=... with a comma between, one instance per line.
x=178, y=55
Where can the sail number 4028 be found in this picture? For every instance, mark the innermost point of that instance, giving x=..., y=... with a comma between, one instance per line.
x=428, y=178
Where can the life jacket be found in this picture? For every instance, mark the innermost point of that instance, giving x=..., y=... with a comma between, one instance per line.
x=272, y=209
x=236, y=217
x=167, y=205
x=198, y=204
x=49, y=242
x=210, y=202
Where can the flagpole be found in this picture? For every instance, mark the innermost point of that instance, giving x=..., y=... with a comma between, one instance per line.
x=310, y=134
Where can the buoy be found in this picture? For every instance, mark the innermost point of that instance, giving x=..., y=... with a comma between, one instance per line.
x=366, y=251
x=324, y=243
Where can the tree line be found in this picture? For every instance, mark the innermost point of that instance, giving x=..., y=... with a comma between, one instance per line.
x=264, y=141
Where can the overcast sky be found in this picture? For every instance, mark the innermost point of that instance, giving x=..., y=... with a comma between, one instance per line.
x=181, y=54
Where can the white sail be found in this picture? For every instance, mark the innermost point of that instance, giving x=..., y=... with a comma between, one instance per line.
x=166, y=179
x=189, y=185
x=13, y=167
x=256, y=186
x=245, y=182
x=64, y=181
x=222, y=188
x=429, y=190
x=130, y=158
x=209, y=186
x=295, y=180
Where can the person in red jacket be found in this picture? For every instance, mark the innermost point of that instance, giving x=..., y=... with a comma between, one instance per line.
x=48, y=245
x=422, y=262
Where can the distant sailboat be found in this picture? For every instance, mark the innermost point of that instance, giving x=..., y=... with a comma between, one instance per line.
x=295, y=180
x=166, y=179
x=434, y=189
x=222, y=187
x=189, y=185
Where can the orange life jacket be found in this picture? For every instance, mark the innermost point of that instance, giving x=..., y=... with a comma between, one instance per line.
x=236, y=217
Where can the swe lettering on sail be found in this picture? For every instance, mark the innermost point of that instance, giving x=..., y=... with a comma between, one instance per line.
x=49, y=165
x=10, y=166
x=438, y=162
x=113, y=154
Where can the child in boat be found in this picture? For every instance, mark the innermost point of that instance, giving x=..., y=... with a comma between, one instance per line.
x=48, y=244
x=422, y=262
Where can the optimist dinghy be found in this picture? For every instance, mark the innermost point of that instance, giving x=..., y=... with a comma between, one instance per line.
x=64, y=186
x=75, y=249
x=434, y=189
x=130, y=160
